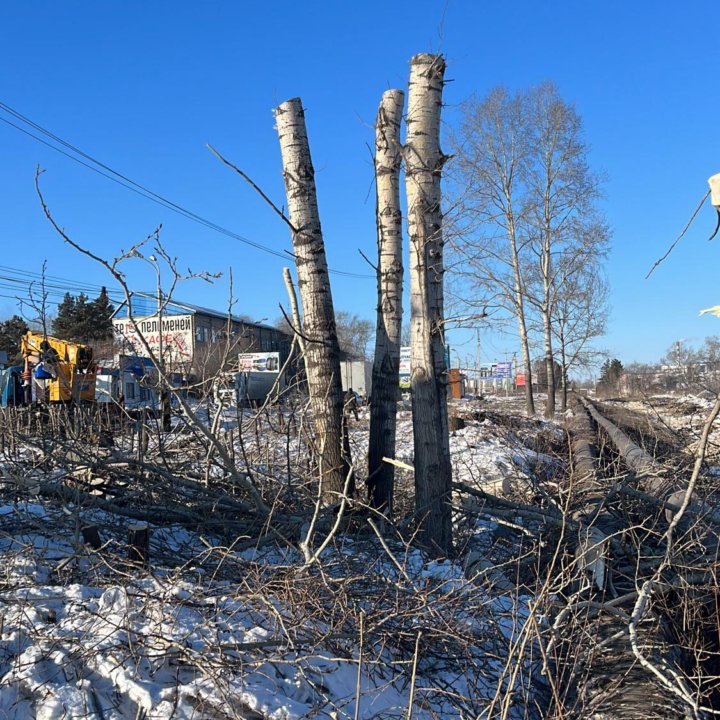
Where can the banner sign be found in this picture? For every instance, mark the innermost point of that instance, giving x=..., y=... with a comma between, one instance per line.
x=268, y=362
x=503, y=369
x=405, y=368
x=496, y=371
x=175, y=332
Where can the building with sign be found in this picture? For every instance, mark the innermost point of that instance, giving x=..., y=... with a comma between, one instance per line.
x=195, y=341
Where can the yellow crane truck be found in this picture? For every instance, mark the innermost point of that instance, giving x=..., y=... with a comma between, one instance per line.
x=65, y=369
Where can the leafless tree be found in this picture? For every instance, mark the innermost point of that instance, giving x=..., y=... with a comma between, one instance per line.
x=580, y=311
x=563, y=192
x=531, y=217
x=491, y=151
x=386, y=364
x=354, y=334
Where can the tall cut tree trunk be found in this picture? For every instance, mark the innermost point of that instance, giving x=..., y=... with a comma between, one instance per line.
x=423, y=164
x=322, y=352
x=386, y=364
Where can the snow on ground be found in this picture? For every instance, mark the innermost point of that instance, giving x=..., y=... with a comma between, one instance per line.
x=216, y=632
x=684, y=415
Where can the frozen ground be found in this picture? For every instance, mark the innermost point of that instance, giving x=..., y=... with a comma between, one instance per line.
x=685, y=416
x=217, y=629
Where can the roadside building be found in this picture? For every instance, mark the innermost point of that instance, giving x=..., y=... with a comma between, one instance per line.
x=195, y=342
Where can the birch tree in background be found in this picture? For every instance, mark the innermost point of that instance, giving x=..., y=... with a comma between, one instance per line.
x=564, y=191
x=580, y=314
x=386, y=364
x=423, y=168
x=491, y=152
x=322, y=353
x=529, y=198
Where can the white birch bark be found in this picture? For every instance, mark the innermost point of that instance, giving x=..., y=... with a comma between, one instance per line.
x=546, y=268
x=520, y=311
x=423, y=167
x=386, y=364
x=322, y=353
x=294, y=310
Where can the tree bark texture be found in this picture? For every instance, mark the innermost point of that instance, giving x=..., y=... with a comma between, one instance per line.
x=423, y=168
x=322, y=352
x=563, y=366
x=294, y=311
x=546, y=267
x=386, y=363
x=520, y=313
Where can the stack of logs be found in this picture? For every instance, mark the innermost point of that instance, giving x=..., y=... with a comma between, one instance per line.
x=618, y=651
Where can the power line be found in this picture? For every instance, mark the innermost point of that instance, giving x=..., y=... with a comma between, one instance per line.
x=29, y=277
x=31, y=286
x=50, y=283
x=107, y=172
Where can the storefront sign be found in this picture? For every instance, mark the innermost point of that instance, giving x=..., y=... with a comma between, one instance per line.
x=175, y=332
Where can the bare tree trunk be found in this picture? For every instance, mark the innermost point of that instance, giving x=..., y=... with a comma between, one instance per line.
x=294, y=311
x=549, y=359
x=386, y=364
x=563, y=362
x=322, y=353
x=424, y=161
x=545, y=264
x=520, y=312
x=525, y=345
x=549, y=367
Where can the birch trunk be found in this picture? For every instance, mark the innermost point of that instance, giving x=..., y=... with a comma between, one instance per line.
x=423, y=168
x=520, y=312
x=563, y=365
x=386, y=364
x=546, y=263
x=322, y=352
x=549, y=367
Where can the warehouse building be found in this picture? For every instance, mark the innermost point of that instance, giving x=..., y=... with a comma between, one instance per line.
x=195, y=342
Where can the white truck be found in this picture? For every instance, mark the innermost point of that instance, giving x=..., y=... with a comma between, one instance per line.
x=357, y=374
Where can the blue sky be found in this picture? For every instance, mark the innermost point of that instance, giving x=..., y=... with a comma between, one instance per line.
x=144, y=86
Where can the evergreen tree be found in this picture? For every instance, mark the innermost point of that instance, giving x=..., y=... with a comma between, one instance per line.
x=102, y=311
x=63, y=325
x=82, y=320
x=10, y=333
x=611, y=372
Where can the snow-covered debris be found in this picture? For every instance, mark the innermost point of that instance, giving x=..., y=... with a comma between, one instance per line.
x=223, y=625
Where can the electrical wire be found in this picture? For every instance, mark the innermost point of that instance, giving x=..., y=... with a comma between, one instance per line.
x=107, y=172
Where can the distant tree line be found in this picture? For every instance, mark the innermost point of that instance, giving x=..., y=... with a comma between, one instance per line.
x=78, y=319
x=683, y=367
x=11, y=331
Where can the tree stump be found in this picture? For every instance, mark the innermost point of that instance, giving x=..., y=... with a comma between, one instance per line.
x=139, y=544
x=91, y=536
